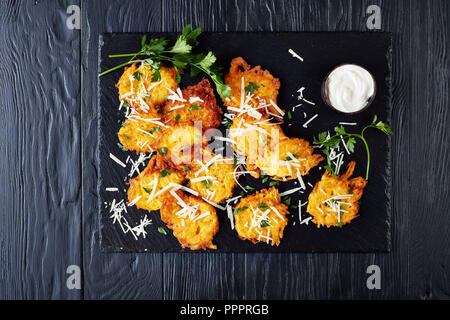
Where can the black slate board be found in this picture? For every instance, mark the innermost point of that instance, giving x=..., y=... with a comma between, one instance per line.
x=322, y=51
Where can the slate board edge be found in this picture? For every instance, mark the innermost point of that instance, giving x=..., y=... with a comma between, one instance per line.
x=389, y=162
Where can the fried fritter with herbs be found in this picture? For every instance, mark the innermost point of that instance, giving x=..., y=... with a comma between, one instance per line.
x=198, y=104
x=212, y=176
x=334, y=200
x=140, y=131
x=142, y=89
x=194, y=222
x=252, y=88
x=261, y=217
x=144, y=190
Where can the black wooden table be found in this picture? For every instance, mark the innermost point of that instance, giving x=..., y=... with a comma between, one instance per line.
x=49, y=221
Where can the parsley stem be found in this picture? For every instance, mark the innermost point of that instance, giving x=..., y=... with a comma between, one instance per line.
x=118, y=67
x=126, y=55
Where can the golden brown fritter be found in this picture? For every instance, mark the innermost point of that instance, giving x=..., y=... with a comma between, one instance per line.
x=140, y=132
x=334, y=201
x=137, y=89
x=177, y=142
x=289, y=159
x=193, y=221
x=199, y=106
x=262, y=87
x=261, y=217
x=252, y=137
x=158, y=174
x=211, y=176
x=268, y=149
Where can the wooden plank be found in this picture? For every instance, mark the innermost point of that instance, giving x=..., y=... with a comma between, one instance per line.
x=110, y=276
x=428, y=194
x=418, y=266
x=294, y=275
x=40, y=173
x=212, y=275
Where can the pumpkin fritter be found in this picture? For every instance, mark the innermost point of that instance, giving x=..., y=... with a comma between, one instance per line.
x=137, y=88
x=268, y=149
x=194, y=222
x=260, y=88
x=158, y=174
x=334, y=200
x=252, y=137
x=139, y=132
x=289, y=159
x=199, y=106
x=177, y=142
x=211, y=176
x=261, y=217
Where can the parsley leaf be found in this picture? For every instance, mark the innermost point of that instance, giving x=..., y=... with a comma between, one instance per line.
x=147, y=190
x=236, y=211
x=251, y=87
x=162, y=230
x=327, y=142
x=195, y=107
x=207, y=183
x=137, y=75
x=264, y=224
x=164, y=173
x=163, y=151
x=263, y=206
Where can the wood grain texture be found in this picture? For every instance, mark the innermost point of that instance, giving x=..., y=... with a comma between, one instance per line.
x=40, y=162
x=43, y=195
x=110, y=276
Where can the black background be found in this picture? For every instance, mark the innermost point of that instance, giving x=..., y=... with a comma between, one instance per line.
x=321, y=52
x=49, y=171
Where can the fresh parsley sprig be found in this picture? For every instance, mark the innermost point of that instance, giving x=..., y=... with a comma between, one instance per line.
x=327, y=143
x=180, y=55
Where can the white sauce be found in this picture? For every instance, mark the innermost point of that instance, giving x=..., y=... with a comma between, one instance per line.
x=349, y=88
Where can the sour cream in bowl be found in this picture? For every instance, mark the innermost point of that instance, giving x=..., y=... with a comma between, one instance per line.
x=349, y=88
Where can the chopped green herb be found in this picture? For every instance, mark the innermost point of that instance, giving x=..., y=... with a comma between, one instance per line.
x=287, y=201
x=207, y=183
x=124, y=124
x=186, y=169
x=164, y=173
x=234, y=162
x=249, y=188
x=350, y=191
x=177, y=117
x=195, y=107
x=163, y=151
x=162, y=230
x=137, y=75
x=273, y=183
x=263, y=206
x=236, y=211
x=251, y=87
x=288, y=158
x=147, y=190
x=121, y=147
x=228, y=124
x=264, y=180
x=154, y=129
x=289, y=115
x=264, y=224
x=339, y=224
x=126, y=138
